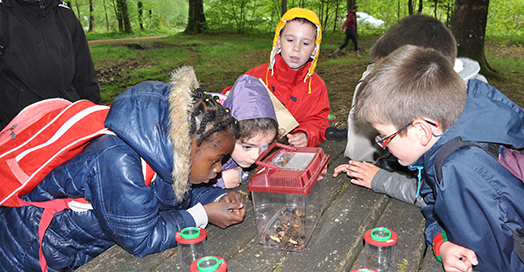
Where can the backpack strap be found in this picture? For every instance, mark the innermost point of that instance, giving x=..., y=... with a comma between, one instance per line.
x=50, y=207
x=455, y=144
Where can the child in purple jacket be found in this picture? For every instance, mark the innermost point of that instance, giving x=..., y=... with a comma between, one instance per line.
x=250, y=104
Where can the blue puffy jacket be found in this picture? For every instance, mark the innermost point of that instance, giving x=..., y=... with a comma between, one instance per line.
x=478, y=202
x=108, y=173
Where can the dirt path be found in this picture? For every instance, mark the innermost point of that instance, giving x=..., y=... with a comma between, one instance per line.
x=127, y=40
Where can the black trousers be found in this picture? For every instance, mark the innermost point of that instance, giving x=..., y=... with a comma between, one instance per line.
x=350, y=34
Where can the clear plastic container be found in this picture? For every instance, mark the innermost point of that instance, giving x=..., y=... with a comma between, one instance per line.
x=289, y=195
x=380, y=248
x=209, y=264
x=191, y=244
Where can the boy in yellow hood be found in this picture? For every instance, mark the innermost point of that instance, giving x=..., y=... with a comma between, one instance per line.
x=290, y=75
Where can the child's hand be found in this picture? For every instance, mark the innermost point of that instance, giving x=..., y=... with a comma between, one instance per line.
x=362, y=173
x=457, y=258
x=298, y=139
x=341, y=168
x=233, y=197
x=230, y=177
x=228, y=211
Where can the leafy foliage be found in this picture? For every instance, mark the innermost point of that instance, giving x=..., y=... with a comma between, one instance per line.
x=241, y=16
x=505, y=17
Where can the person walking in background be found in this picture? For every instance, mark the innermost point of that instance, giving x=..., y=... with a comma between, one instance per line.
x=351, y=30
x=43, y=54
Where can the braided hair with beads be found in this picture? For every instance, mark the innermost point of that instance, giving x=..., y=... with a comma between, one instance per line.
x=209, y=117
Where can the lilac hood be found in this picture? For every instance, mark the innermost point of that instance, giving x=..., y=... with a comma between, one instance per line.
x=249, y=99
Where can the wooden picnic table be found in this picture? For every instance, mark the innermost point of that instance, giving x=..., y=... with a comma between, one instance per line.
x=337, y=243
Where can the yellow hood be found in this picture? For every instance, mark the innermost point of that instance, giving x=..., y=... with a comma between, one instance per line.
x=290, y=15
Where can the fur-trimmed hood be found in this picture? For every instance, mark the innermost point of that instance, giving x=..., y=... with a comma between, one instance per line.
x=152, y=118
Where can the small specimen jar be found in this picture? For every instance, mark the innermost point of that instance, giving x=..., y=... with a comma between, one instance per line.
x=380, y=248
x=191, y=244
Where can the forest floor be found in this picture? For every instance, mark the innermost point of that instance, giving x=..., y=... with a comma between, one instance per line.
x=340, y=76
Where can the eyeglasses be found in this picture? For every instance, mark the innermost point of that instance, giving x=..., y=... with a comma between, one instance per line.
x=383, y=142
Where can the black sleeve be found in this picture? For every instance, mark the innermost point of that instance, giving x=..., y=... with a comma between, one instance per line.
x=85, y=80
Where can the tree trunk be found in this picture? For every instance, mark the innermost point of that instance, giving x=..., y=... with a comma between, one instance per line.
x=335, y=25
x=468, y=25
x=196, y=21
x=122, y=6
x=91, y=15
x=398, y=11
x=326, y=14
x=284, y=7
x=107, y=18
x=119, y=18
x=78, y=11
x=410, y=7
x=350, y=4
x=140, y=7
x=420, y=6
x=449, y=12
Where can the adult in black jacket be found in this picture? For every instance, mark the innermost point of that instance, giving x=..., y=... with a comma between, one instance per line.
x=45, y=55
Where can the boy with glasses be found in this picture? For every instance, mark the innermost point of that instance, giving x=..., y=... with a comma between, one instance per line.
x=365, y=156
x=474, y=212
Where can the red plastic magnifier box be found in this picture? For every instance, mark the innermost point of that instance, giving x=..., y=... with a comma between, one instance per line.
x=289, y=195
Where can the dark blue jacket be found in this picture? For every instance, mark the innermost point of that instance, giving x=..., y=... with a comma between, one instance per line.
x=478, y=202
x=108, y=173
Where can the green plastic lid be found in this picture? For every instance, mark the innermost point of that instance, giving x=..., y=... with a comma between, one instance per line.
x=381, y=237
x=380, y=234
x=208, y=264
x=190, y=235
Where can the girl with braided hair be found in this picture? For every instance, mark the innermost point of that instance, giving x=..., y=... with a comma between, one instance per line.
x=175, y=129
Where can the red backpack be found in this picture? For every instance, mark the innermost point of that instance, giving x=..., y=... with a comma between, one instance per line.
x=41, y=137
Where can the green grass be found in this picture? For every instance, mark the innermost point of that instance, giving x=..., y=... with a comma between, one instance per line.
x=510, y=68
x=506, y=55
x=101, y=52
x=109, y=92
x=167, y=57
